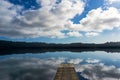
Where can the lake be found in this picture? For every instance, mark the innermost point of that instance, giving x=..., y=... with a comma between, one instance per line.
x=97, y=65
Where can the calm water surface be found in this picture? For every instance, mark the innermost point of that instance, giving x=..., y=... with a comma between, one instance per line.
x=43, y=66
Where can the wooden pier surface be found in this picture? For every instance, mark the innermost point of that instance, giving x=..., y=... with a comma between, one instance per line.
x=66, y=72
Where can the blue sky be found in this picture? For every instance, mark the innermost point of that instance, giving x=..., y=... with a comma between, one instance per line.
x=60, y=21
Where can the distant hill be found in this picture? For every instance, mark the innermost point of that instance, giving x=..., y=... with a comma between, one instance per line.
x=10, y=47
x=11, y=44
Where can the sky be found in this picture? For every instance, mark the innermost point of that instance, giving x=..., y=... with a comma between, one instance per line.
x=60, y=21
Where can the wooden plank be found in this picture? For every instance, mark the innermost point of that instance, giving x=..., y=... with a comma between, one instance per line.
x=66, y=72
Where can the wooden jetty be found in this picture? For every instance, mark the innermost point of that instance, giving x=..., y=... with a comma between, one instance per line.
x=66, y=72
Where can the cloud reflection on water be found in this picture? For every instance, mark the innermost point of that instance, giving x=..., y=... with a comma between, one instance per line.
x=45, y=69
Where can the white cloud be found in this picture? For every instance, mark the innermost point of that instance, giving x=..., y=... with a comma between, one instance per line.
x=114, y=0
x=98, y=20
x=8, y=12
x=113, y=3
x=74, y=34
x=88, y=34
x=48, y=21
x=75, y=61
x=52, y=19
x=92, y=61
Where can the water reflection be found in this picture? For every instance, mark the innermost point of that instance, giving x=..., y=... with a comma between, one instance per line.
x=89, y=65
x=27, y=69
